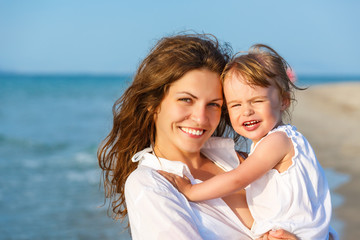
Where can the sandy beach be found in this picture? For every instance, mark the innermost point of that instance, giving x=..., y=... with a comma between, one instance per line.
x=329, y=117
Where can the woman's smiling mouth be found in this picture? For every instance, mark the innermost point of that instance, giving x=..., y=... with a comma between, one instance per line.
x=192, y=131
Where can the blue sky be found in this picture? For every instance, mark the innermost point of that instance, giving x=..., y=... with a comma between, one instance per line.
x=112, y=37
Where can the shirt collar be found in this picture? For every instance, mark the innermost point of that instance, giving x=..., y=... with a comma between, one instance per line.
x=217, y=149
x=148, y=159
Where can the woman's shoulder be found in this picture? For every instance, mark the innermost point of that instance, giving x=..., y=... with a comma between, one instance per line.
x=222, y=152
x=219, y=142
x=146, y=178
x=145, y=185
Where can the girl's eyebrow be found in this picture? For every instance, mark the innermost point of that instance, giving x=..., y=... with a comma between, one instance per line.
x=251, y=99
x=233, y=101
x=259, y=97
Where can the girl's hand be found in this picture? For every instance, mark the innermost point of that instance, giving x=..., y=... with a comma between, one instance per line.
x=182, y=184
x=278, y=234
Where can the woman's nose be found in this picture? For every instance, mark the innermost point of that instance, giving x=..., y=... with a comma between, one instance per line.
x=199, y=115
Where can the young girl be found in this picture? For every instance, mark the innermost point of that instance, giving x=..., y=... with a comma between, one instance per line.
x=285, y=184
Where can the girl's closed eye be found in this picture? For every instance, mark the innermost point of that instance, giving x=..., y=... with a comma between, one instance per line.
x=258, y=100
x=235, y=105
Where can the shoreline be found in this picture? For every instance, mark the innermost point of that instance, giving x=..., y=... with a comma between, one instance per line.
x=328, y=116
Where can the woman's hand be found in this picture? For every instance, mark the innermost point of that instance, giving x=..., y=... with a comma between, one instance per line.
x=278, y=234
x=182, y=184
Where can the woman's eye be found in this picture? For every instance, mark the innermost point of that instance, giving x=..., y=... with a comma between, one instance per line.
x=215, y=105
x=187, y=100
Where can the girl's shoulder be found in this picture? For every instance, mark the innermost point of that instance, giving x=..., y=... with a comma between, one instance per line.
x=288, y=129
x=279, y=136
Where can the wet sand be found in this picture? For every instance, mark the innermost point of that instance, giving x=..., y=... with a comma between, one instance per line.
x=329, y=117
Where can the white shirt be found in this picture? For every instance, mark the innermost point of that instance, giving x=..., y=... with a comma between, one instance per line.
x=157, y=210
x=298, y=199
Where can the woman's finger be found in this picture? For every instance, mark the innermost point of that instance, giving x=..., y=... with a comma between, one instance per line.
x=281, y=234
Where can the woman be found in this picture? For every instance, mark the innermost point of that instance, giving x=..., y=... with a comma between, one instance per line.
x=164, y=121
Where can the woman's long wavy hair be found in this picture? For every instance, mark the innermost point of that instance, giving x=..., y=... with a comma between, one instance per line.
x=133, y=123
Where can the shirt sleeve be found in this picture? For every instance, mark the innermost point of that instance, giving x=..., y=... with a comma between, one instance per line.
x=156, y=210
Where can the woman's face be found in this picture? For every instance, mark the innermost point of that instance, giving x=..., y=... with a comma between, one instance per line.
x=189, y=113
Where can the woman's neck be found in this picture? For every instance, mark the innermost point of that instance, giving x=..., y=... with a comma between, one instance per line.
x=194, y=160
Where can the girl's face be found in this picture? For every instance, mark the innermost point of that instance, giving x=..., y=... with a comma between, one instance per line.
x=189, y=113
x=253, y=110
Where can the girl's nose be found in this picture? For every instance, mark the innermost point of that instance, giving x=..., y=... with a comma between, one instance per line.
x=248, y=111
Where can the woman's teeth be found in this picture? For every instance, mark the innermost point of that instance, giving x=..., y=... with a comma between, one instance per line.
x=193, y=131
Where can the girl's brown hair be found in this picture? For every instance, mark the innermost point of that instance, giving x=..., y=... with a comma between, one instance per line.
x=262, y=66
x=133, y=123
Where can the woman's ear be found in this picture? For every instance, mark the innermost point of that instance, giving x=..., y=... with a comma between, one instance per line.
x=154, y=111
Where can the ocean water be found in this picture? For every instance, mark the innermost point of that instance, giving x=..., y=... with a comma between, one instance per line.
x=50, y=128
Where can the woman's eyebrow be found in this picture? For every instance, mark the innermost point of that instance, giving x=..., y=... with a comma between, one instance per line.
x=217, y=99
x=193, y=96
x=184, y=92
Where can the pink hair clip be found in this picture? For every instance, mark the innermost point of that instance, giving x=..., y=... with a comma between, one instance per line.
x=291, y=75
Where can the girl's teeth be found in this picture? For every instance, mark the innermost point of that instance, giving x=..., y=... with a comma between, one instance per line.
x=193, y=131
x=250, y=123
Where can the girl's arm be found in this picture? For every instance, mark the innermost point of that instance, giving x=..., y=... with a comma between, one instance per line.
x=269, y=152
